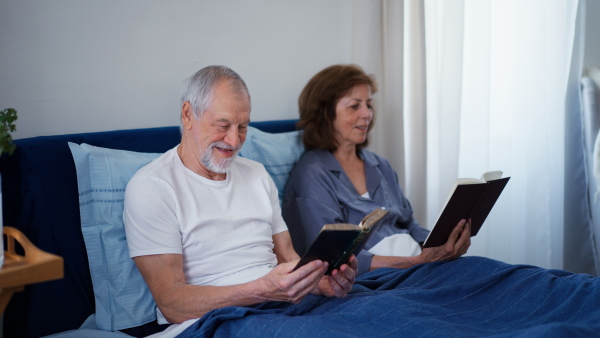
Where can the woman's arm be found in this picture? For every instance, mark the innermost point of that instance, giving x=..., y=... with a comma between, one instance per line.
x=457, y=245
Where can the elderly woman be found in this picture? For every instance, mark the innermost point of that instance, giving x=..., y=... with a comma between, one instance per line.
x=339, y=181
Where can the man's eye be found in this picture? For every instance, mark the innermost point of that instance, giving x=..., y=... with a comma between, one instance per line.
x=354, y=106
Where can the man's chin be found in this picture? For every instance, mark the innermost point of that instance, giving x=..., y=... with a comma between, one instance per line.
x=221, y=165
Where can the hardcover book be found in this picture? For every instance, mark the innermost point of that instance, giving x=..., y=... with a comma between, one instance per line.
x=470, y=198
x=337, y=242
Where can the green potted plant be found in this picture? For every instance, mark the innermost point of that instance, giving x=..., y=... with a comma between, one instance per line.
x=7, y=117
x=7, y=126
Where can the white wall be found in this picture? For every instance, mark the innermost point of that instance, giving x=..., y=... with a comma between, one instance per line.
x=68, y=66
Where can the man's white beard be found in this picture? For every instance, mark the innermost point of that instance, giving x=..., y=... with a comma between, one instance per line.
x=214, y=164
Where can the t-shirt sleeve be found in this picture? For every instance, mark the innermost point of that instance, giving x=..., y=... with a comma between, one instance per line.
x=150, y=219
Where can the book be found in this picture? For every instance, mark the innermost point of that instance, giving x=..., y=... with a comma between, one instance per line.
x=470, y=198
x=337, y=242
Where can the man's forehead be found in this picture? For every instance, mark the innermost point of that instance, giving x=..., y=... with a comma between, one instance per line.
x=227, y=116
x=225, y=119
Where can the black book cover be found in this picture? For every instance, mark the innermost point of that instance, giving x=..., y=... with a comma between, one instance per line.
x=337, y=242
x=474, y=201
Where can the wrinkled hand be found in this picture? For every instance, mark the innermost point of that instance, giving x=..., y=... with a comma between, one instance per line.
x=340, y=282
x=284, y=284
x=457, y=245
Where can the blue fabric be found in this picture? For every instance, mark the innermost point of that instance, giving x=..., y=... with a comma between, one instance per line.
x=319, y=184
x=122, y=298
x=471, y=296
x=277, y=152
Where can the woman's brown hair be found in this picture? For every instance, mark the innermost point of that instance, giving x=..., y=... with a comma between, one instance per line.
x=318, y=100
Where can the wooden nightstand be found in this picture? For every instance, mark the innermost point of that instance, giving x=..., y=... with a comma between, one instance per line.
x=33, y=267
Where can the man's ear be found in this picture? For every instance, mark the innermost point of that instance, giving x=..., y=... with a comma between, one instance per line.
x=187, y=115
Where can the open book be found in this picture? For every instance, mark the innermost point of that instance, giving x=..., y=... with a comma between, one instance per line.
x=337, y=242
x=470, y=198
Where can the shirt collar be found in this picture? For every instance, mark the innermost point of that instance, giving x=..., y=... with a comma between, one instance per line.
x=332, y=164
x=371, y=164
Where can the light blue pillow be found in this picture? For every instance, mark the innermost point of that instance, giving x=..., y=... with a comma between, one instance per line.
x=278, y=152
x=123, y=299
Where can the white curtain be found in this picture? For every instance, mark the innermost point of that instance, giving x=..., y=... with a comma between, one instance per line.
x=389, y=42
x=471, y=86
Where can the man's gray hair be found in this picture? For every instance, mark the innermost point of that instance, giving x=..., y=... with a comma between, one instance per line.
x=199, y=89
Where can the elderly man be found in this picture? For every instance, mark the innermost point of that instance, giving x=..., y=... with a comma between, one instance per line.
x=204, y=226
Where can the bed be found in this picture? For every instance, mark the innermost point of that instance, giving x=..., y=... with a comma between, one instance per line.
x=65, y=193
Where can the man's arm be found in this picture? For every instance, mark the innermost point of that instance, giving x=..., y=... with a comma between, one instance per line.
x=179, y=301
x=283, y=248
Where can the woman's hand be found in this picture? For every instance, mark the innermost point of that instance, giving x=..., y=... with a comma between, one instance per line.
x=457, y=245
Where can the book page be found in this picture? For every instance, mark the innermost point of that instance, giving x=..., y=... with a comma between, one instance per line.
x=340, y=226
x=460, y=181
x=491, y=175
x=372, y=218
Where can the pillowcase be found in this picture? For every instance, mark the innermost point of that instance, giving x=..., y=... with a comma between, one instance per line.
x=123, y=299
x=278, y=152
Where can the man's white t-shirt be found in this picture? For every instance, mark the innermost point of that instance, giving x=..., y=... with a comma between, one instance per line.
x=223, y=228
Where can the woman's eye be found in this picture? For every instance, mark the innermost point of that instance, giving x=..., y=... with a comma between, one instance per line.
x=354, y=106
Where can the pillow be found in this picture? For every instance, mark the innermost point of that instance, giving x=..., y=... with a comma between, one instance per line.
x=123, y=299
x=278, y=152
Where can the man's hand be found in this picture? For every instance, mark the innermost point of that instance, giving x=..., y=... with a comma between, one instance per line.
x=340, y=282
x=284, y=284
x=294, y=284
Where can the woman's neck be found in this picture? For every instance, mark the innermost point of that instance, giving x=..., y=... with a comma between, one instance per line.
x=354, y=168
x=347, y=155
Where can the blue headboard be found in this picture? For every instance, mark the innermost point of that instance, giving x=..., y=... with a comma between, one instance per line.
x=40, y=198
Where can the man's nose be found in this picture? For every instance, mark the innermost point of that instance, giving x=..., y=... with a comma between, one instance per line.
x=232, y=137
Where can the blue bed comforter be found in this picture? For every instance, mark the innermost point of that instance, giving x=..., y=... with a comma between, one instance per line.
x=471, y=296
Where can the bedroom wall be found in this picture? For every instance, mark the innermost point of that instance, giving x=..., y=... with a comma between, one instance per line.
x=71, y=67
x=107, y=65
